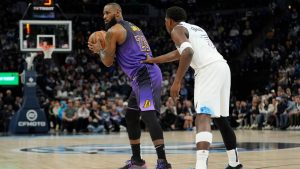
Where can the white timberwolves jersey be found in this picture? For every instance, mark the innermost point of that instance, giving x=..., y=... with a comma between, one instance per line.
x=204, y=50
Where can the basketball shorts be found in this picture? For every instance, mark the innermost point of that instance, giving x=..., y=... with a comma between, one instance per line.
x=212, y=89
x=146, y=89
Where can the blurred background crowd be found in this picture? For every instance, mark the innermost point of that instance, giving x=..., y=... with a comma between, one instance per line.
x=258, y=38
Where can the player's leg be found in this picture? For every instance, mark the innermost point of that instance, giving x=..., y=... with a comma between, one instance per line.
x=207, y=104
x=229, y=139
x=222, y=123
x=203, y=139
x=149, y=89
x=132, y=118
x=156, y=133
x=208, y=97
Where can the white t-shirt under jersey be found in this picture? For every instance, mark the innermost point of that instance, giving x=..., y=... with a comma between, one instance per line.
x=205, y=51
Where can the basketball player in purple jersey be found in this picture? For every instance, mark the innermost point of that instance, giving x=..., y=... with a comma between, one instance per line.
x=127, y=44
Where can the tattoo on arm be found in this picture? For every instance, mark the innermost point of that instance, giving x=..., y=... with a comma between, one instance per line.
x=108, y=38
x=107, y=42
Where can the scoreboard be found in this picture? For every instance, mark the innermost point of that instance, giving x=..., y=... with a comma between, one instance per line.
x=43, y=9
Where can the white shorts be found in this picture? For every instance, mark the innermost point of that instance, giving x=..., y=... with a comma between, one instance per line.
x=212, y=89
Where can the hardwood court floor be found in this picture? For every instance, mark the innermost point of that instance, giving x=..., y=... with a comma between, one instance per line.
x=12, y=158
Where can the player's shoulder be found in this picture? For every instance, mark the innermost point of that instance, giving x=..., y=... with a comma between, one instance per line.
x=116, y=29
x=180, y=27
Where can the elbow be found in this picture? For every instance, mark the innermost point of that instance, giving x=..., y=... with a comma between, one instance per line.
x=108, y=60
x=188, y=53
x=191, y=53
x=108, y=64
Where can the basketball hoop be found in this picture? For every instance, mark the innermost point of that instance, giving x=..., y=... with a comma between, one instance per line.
x=47, y=50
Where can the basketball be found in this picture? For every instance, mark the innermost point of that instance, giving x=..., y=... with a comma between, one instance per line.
x=98, y=36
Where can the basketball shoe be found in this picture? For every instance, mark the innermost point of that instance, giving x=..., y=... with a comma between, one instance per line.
x=163, y=164
x=132, y=164
x=240, y=166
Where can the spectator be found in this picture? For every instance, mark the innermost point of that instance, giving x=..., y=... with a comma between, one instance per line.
x=8, y=98
x=234, y=117
x=55, y=121
x=280, y=114
x=70, y=117
x=115, y=118
x=294, y=112
x=168, y=117
x=96, y=122
x=83, y=114
x=271, y=120
x=105, y=115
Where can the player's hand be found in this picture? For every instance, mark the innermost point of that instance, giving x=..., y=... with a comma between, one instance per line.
x=148, y=60
x=95, y=47
x=174, y=91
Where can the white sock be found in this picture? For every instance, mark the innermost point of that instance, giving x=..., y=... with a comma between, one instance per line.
x=202, y=156
x=233, y=159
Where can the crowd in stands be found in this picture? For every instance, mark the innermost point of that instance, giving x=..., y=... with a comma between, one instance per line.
x=78, y=93
x=278, y=104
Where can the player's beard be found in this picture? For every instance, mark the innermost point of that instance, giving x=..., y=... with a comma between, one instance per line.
x=111, y=23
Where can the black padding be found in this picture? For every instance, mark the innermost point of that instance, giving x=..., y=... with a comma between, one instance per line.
x=227, y=133
x=151, y=121
x=132, y=117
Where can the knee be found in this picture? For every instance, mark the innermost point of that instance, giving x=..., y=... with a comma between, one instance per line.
x=204, y=136
x=222, y=123
x=151, y=121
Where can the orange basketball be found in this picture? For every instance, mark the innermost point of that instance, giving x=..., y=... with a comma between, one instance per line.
x=98, y=36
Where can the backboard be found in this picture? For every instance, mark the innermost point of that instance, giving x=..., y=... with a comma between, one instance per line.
x=33, y=33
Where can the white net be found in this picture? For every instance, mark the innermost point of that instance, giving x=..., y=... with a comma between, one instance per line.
x=48, y=52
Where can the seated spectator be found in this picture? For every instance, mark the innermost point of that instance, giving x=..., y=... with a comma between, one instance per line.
x=189, y=110
x=235, y=114
x=105, y=115
x=70, y=117
x=83, y=114
x=53, y=113
x=6, y=115
x=293, y=112
x=188, y=121
x=115, y=118
x=254, y=114
x=263, y=109
x=244, y=115
x=168, y=117
x=62, y=107
x=96, y=122
x=281, y=115
x=271, y=117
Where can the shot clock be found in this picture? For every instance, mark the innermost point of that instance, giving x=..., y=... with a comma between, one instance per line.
x=43, y=9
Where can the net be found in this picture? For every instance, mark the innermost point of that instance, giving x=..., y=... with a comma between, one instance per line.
x=47, y=50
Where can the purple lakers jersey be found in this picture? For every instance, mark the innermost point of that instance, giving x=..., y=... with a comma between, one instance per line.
x=134, y=49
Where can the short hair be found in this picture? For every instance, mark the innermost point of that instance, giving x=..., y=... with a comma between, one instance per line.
x=176, y=13
x=115, y=5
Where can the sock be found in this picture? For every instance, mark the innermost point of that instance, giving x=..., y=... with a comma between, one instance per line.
x=160, y=151
x=136, y=152
x=233, y=159
x=202, y=158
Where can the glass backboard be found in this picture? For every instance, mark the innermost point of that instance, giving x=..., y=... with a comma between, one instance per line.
x=34, y=33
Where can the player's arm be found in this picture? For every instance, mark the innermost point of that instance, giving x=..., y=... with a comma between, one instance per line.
x=107, y=55
x=186, y=52
x=169, y=57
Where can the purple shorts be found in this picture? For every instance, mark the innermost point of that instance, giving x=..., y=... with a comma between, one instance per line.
x=146, y=89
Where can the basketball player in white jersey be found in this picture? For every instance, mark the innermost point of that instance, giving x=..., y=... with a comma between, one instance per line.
x=212, y=83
